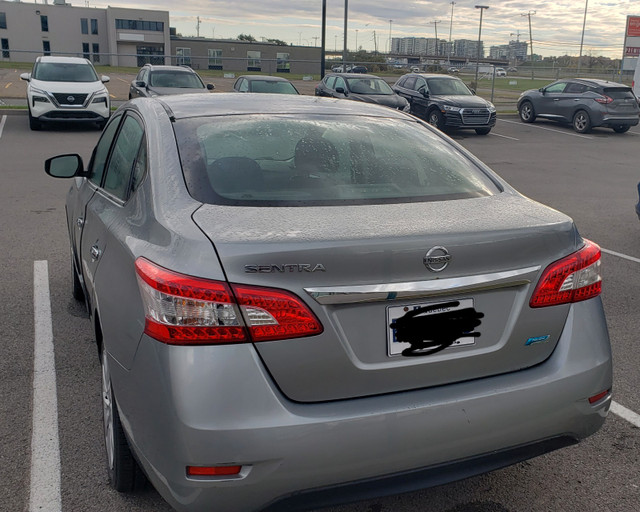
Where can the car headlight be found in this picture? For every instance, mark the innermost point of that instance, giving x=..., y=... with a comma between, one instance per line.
x=407, y=107
x=491, y=107
x=38, y=96
x=451, y=108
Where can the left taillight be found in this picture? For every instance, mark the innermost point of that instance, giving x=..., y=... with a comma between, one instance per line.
x=604, y=99
x=186, y=310
x=571, y=279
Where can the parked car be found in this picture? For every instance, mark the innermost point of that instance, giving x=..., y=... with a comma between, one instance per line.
x=341, y=69
x=291, y=298
x=638, y=203
x=446, y=102
x=66, y=89
x=501, y=72
x=585, y=103
x=264, y=83
x=155, y=80
x=635, y=84
x=360, y=87
x=512, y=70
x=359, y=69
x=451, y=69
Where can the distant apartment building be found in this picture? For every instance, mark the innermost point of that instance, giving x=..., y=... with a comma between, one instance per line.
x=113, y=36
x=514, y=52
x=467, y=48
x=418, y=46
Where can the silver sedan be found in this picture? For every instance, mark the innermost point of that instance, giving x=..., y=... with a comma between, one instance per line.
x=309, y=301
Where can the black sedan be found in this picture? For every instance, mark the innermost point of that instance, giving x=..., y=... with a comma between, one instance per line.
x=585, y=103
x=360, y=87
x=446, y=102
x=264, y=83
x=163, y=80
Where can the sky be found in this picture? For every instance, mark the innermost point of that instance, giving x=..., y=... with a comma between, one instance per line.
x=556, y=26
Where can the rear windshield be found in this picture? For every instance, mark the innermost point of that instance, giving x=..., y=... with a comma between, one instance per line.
x=64, y=72
x=619, y=93
x=272, y=86
x=369, y=86
x=180, y=79
x=290, y=160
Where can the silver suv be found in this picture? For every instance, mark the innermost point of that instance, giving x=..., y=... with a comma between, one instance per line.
x=66, y=89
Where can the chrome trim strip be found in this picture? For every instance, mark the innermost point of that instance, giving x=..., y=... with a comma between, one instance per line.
x=419, y=289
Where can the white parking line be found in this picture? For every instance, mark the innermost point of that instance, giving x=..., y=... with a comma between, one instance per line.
x=503, y=136
x=2, y=121
x=620, y=255
x=626, y=414
x=550, y=129
x=45, y=445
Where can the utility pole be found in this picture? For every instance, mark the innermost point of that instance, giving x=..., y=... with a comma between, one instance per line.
x=324, y=38
x=198, y=27
x=375, y=42
x=344, y=48
x=584, y=23
x=482, y=8
x=356, y=40
x=390, y=22
x=435, y=25
x=529, y=14
x=450, y=31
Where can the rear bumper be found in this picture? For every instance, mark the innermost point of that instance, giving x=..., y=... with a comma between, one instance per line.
x=218, y=405
x=611, y=120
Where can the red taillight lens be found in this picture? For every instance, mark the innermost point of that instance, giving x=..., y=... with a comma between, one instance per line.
x=604, y=99
x=185, y=310
x=213, y=470
x=571, y=279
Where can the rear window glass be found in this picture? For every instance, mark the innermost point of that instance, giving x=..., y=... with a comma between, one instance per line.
x=179, y=79
x=619, y=93
x=294, y=160
x=271, y=86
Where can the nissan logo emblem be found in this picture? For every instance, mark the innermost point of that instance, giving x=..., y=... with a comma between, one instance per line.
x=437, y=259
x=71, y=99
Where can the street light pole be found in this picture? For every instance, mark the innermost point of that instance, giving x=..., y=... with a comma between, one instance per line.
x=529, y=14
x=344, y=48
x=324, y=38
x=450, y=31
x=482, y=8
x=356, y=40
x=435, y=25
x=584, y=23
x=390, y=22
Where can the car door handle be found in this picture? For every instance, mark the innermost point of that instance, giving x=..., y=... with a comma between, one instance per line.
x=556, y=99
x=80, y=222
x=95, y=252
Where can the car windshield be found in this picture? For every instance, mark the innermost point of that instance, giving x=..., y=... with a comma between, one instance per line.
x=272, y=86
x=369, y=86
x=295, y=160
x=447, y=86
x=178, y=79
x=64, y=72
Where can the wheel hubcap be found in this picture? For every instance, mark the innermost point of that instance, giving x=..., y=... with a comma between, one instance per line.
x=107, y=411
x=580, y=122
x=433, y=119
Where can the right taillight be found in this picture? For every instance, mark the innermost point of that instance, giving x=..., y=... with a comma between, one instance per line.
x=573, y=278
x=186, y=310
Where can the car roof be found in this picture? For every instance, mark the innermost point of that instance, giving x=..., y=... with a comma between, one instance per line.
x=264, y=78
x=154, y=67
x=183, y=106
x=594, y=81
x=431, y=75
x=66, y=60
x=353, y=75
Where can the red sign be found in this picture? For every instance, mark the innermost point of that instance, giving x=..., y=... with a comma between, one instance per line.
x=633, y=26
x=632, y=51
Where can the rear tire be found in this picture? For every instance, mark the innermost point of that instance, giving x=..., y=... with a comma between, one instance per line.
x=124, y=474
x=526, y=112
x=483, y=131
x=621, y=128
x=581, y=122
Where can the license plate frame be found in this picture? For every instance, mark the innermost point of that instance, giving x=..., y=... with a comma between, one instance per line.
x=395, y=347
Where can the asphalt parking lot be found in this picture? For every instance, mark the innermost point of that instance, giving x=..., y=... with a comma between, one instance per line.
x=591, y=177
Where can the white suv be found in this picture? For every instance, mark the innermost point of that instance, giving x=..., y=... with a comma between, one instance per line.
x=66, y=89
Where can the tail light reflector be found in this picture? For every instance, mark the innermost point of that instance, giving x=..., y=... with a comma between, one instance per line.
x=186, y=310
x=604, y=99
x=571, y=279
x=213, y=470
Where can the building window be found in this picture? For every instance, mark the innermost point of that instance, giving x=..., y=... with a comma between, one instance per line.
x=154, y=26
x=84, y=25
x=215, y=59
x=85, y=50
x=94, y=26
x=44, y=23
x=46, y=47
x=282, y=63
x=253, y=61
x=5, y=48
x=3, y=20
x=96, y=52
x=150, y=55
x=183, y=56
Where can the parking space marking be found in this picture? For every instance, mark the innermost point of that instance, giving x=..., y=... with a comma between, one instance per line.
x=620, y=255
x=123, y=80
x=8, y=85
x=503, y=136
x=549, y=129
x=3, y=120
x=45, y=445
x=625, y=414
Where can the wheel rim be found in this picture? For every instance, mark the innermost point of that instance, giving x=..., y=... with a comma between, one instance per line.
x=580, y=122
x=525, y=112
x=433, y=119
x=107, y=411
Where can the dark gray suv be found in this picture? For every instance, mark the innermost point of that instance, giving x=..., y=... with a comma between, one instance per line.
x=584, y=103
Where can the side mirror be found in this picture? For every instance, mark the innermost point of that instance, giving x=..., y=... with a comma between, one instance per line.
x=140, y=83
x=211, y=87
x=105, y=79
x=64, y=166
x=542, y=90
x=341, y=90
x=424, y=92
x=25, y=76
